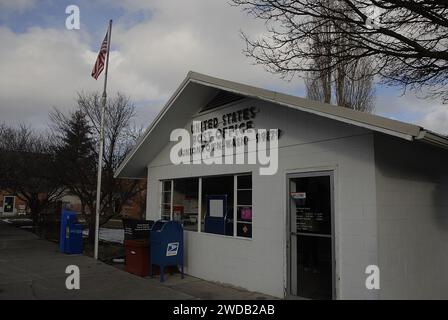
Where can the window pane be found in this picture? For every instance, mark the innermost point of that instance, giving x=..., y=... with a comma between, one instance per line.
x=244, y=197
x=314, y=272
x=166, y=212
x=167, y=185
x=313, y=212
x=185, y=203
x=166, y=197
x=244, y=214
x=221, y=186
x=245, y=182
x=244, y=230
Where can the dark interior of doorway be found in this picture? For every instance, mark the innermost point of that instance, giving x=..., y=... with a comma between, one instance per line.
x=314, y=237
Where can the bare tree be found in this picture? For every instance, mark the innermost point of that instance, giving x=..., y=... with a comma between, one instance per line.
x=319, y=83
x=351, y=85
x=27, y=168
x=354, y=86
x=120, y=136
x=406, y=40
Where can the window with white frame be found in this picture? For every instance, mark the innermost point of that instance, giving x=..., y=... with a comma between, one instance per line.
x=167, y=199
x=185, y=202
x=218, y=205
x=190, y=201
x=244, y=206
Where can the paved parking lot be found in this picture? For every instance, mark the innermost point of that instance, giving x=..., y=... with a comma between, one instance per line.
x=32, y=268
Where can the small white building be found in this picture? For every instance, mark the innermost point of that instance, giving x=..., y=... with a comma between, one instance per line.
x=352, y=190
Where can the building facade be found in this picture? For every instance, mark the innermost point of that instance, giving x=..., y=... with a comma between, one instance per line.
x=350, y=192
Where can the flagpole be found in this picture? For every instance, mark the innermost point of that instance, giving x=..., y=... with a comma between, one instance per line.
x=100, y=153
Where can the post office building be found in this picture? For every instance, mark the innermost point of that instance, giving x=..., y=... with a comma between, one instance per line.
x=344, y=205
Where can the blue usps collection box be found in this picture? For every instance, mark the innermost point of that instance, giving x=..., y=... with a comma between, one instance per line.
x=167, y=246
x=70, y=240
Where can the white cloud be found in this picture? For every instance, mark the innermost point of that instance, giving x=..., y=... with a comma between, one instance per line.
x=202, y=36
x=436, y=119
x=42, y=68
x=428, y=113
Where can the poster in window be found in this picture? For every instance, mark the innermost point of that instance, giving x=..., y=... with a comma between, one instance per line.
x=244, y=230
x=216, y=208
x=311, y=220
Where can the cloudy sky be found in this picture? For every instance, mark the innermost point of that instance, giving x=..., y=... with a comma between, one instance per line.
x=154, y=44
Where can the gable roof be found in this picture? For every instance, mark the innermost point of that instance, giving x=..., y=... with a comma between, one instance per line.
x=188, y=96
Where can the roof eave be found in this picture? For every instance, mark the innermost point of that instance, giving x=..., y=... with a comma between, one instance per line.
x=274, y=98
x=433, y=139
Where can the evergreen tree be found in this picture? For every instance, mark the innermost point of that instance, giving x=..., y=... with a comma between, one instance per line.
x=76, y=160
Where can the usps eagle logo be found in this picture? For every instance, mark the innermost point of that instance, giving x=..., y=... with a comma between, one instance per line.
x=172, y=249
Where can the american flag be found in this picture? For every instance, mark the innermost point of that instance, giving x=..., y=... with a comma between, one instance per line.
x=99, y=64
